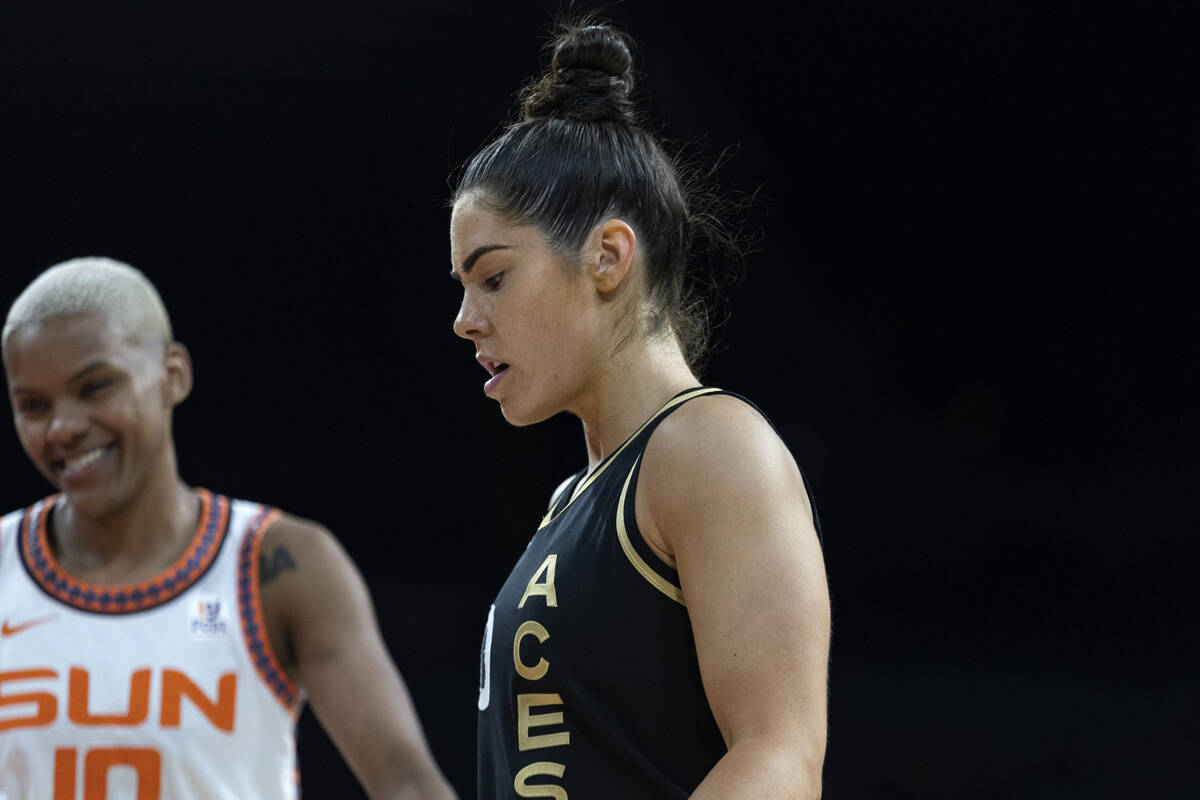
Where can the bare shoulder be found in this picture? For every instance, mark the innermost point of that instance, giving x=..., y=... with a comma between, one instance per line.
x=718, y=434
x=291, y=538
x=304, y=574
x=714, y=452
x=302, y=561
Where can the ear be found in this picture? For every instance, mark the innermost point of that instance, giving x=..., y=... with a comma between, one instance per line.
x=612, y=255
x=177, y=371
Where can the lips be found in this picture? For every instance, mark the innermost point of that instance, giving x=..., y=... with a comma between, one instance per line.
x=81, y=462
x=492, y=365
x=496, y=368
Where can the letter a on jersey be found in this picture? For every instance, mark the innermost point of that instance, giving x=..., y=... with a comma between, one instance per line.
x=546, y=588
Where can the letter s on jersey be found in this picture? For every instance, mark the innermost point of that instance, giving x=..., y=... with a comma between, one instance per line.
x=45, y=705
x=551, y=768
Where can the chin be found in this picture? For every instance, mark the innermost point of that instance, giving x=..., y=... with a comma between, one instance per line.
x=516, y=419
x=520, y=416
x=87, y=504
x=94, y=502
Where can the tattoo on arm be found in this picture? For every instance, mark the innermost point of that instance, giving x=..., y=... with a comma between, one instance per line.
x=270, y=566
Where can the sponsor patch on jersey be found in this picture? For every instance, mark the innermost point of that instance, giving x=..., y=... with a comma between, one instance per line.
x=209, y=618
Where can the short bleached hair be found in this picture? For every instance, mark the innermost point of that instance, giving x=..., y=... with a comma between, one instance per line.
x=91, y=285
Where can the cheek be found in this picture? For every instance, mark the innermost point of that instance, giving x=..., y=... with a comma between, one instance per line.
x=558, y=313
x=30, y=437
x=148, y=402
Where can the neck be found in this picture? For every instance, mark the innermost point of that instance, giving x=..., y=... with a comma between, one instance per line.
x=130, y=543
x=634, y=384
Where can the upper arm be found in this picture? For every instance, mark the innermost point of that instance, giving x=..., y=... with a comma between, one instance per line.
x=722, y=494
x=320, y=616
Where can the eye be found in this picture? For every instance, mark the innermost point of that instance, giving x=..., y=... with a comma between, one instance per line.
x=91, y=388
x=493, y=283
x=31, y=405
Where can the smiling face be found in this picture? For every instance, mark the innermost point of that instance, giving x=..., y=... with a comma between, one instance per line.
x=92, y=404
x=535, y=320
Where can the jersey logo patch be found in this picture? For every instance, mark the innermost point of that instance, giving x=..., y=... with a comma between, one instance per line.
x=208, y=618
x=12, y=630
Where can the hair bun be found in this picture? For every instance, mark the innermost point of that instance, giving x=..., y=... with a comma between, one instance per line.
x=595, y=47
x=590, y=77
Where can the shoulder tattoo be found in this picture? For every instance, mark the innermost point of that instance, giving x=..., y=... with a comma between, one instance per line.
x=270, y=566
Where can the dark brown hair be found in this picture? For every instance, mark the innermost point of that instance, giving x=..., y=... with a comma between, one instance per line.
x=579, y=154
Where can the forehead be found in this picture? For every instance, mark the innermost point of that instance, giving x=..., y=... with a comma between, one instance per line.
x=469, y=212
x=474, y=223
x=471, y=220
x=61, y=345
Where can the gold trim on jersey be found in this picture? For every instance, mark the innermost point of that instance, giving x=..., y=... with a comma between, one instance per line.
x=657, y=581
x=587, y=481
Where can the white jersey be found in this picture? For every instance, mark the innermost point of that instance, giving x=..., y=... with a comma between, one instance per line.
x=161, y=690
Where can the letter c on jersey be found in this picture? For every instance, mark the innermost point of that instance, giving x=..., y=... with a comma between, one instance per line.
x=530, y=627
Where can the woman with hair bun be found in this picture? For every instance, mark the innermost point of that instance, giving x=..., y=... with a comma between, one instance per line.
x=666, y=632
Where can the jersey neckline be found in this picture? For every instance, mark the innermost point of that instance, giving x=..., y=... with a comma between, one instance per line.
x=49, y=575
x=590, y=478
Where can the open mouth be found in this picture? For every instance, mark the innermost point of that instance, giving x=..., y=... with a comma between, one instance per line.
x=496, y=369
x=493, y=366
x=85, y=460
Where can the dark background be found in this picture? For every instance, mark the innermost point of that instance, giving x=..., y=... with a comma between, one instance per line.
x=971, y=316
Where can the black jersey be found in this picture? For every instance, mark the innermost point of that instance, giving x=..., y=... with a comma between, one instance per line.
x=590, y=687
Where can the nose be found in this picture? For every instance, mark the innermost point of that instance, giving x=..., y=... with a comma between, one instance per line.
x=67, y=424
x=471, y=323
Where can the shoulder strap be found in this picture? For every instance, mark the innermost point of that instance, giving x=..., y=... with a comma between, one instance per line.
x=586, y=479
x=641, y=434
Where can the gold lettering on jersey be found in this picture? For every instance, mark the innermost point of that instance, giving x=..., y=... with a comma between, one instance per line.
x=523, y=789
x=34, y=709
x=530, y=628
x=542, y=583
x=545, y=589
x=139, y=700
x=526, y=720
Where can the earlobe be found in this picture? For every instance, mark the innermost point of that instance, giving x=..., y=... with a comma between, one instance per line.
x=614, y=256
x=177, y=366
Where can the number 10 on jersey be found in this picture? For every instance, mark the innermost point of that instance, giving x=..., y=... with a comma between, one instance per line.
x=145, y=762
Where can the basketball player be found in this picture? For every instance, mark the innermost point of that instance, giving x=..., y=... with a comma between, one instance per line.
x=159, y=640
x=665, y=634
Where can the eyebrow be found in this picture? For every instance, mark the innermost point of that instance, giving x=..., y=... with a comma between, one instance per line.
x=95, y=365
x=92, y=367
x=468, y=263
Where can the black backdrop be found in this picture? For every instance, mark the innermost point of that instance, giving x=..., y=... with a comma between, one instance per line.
x=969, y=315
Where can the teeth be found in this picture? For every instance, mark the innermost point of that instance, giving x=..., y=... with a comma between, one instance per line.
x=85, y=460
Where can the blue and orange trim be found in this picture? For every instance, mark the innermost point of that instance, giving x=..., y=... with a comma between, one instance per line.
x=250, y=611
x=45, y=570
